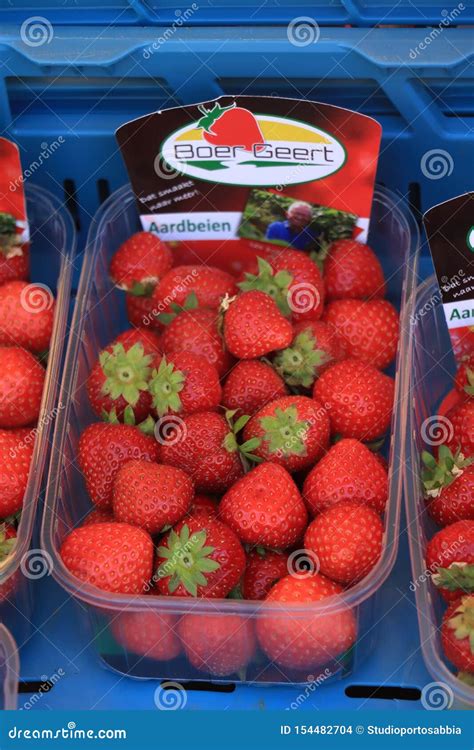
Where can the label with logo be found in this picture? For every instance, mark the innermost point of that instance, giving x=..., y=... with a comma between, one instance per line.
x=259, y=169
x=450, y=230
x=14, y=230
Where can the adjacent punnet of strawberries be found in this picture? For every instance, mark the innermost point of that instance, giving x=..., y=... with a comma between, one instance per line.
x=26, y=324
x=448, y=485
x=232, y=453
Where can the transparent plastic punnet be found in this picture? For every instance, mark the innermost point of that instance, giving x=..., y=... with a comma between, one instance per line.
x=431, y=367
x=52, y=250
x=9, y=670
x=138, y=635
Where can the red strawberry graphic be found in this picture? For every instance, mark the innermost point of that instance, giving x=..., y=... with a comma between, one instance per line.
x=230, y=126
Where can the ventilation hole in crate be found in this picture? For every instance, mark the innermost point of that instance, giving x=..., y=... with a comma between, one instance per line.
x=201, y=685
x=383, y=692
x=103, y=190
x=414, y=201
x=452, y=97
x=35, y=686
x=72, y=205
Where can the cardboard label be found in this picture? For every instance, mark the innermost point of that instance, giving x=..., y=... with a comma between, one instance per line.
x=259, y=169
x=450, y=230
x=14, y=229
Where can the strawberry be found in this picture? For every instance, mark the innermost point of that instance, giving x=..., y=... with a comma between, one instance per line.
x=118, y=383
x=218, y=644
x=457, y=633
x=250, y=385
x=15, y=265
x=365, y=330
x=348, y=471
x=26, y=315
x=203, y=504
x=103, y=448
x=15, y=459
x=204, y=446
x=210, y=285
x=264, y=568
x=185, y=383
x=114, y=557
x=97, y=515
x=149, y=340
x=265, y=507
x=358, y=398
x=352, y=271
x=140, y=262
x=147, y=633
x=200, y=556
x=449, y=486
x=347, y=541
x=21, y=387
x=292, y=431
x=150, y=495
x=461, y=437
x=303, y=639
x=253, y=326
x=464, y=381
x=293, y=280
x=7, y=541
x=142, y=311
x=313, y=349
x=450, y=558
x=196, y=331
x=462, y=340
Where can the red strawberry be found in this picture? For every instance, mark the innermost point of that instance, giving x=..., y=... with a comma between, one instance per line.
x=26, y=315
x=293, y=280
x=200, y=556
x=15, y=266
x=304, y=641
x=15, y=460
x=462, y=340
x=347, y=541
x=292, y=431
x=150, y=495
x=358, y=398
x=217, y=644
x=150, y=340
x=204, y=504
x=204, y=446
x=142, y=311
x=264, y=568
x=250, y=385
x=140, y=262
x=348, y=471
x=97, y=515
x=230, y=126
x=464, y=381
x=449, y=486
x=147, y=633
x=461, y=431
x=313, y=349
x=210, y=285
x=103, y=448
x=265, y=507
x=457, y=634
x=196, y=331
x=352, y=271
x=114, y=557
x=450, y=558
x=118, y=384
x=21, y=387
x=185, y=383
x=365, y=330
x=254, y=326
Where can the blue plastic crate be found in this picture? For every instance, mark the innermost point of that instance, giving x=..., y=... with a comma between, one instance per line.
x=245, y=12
